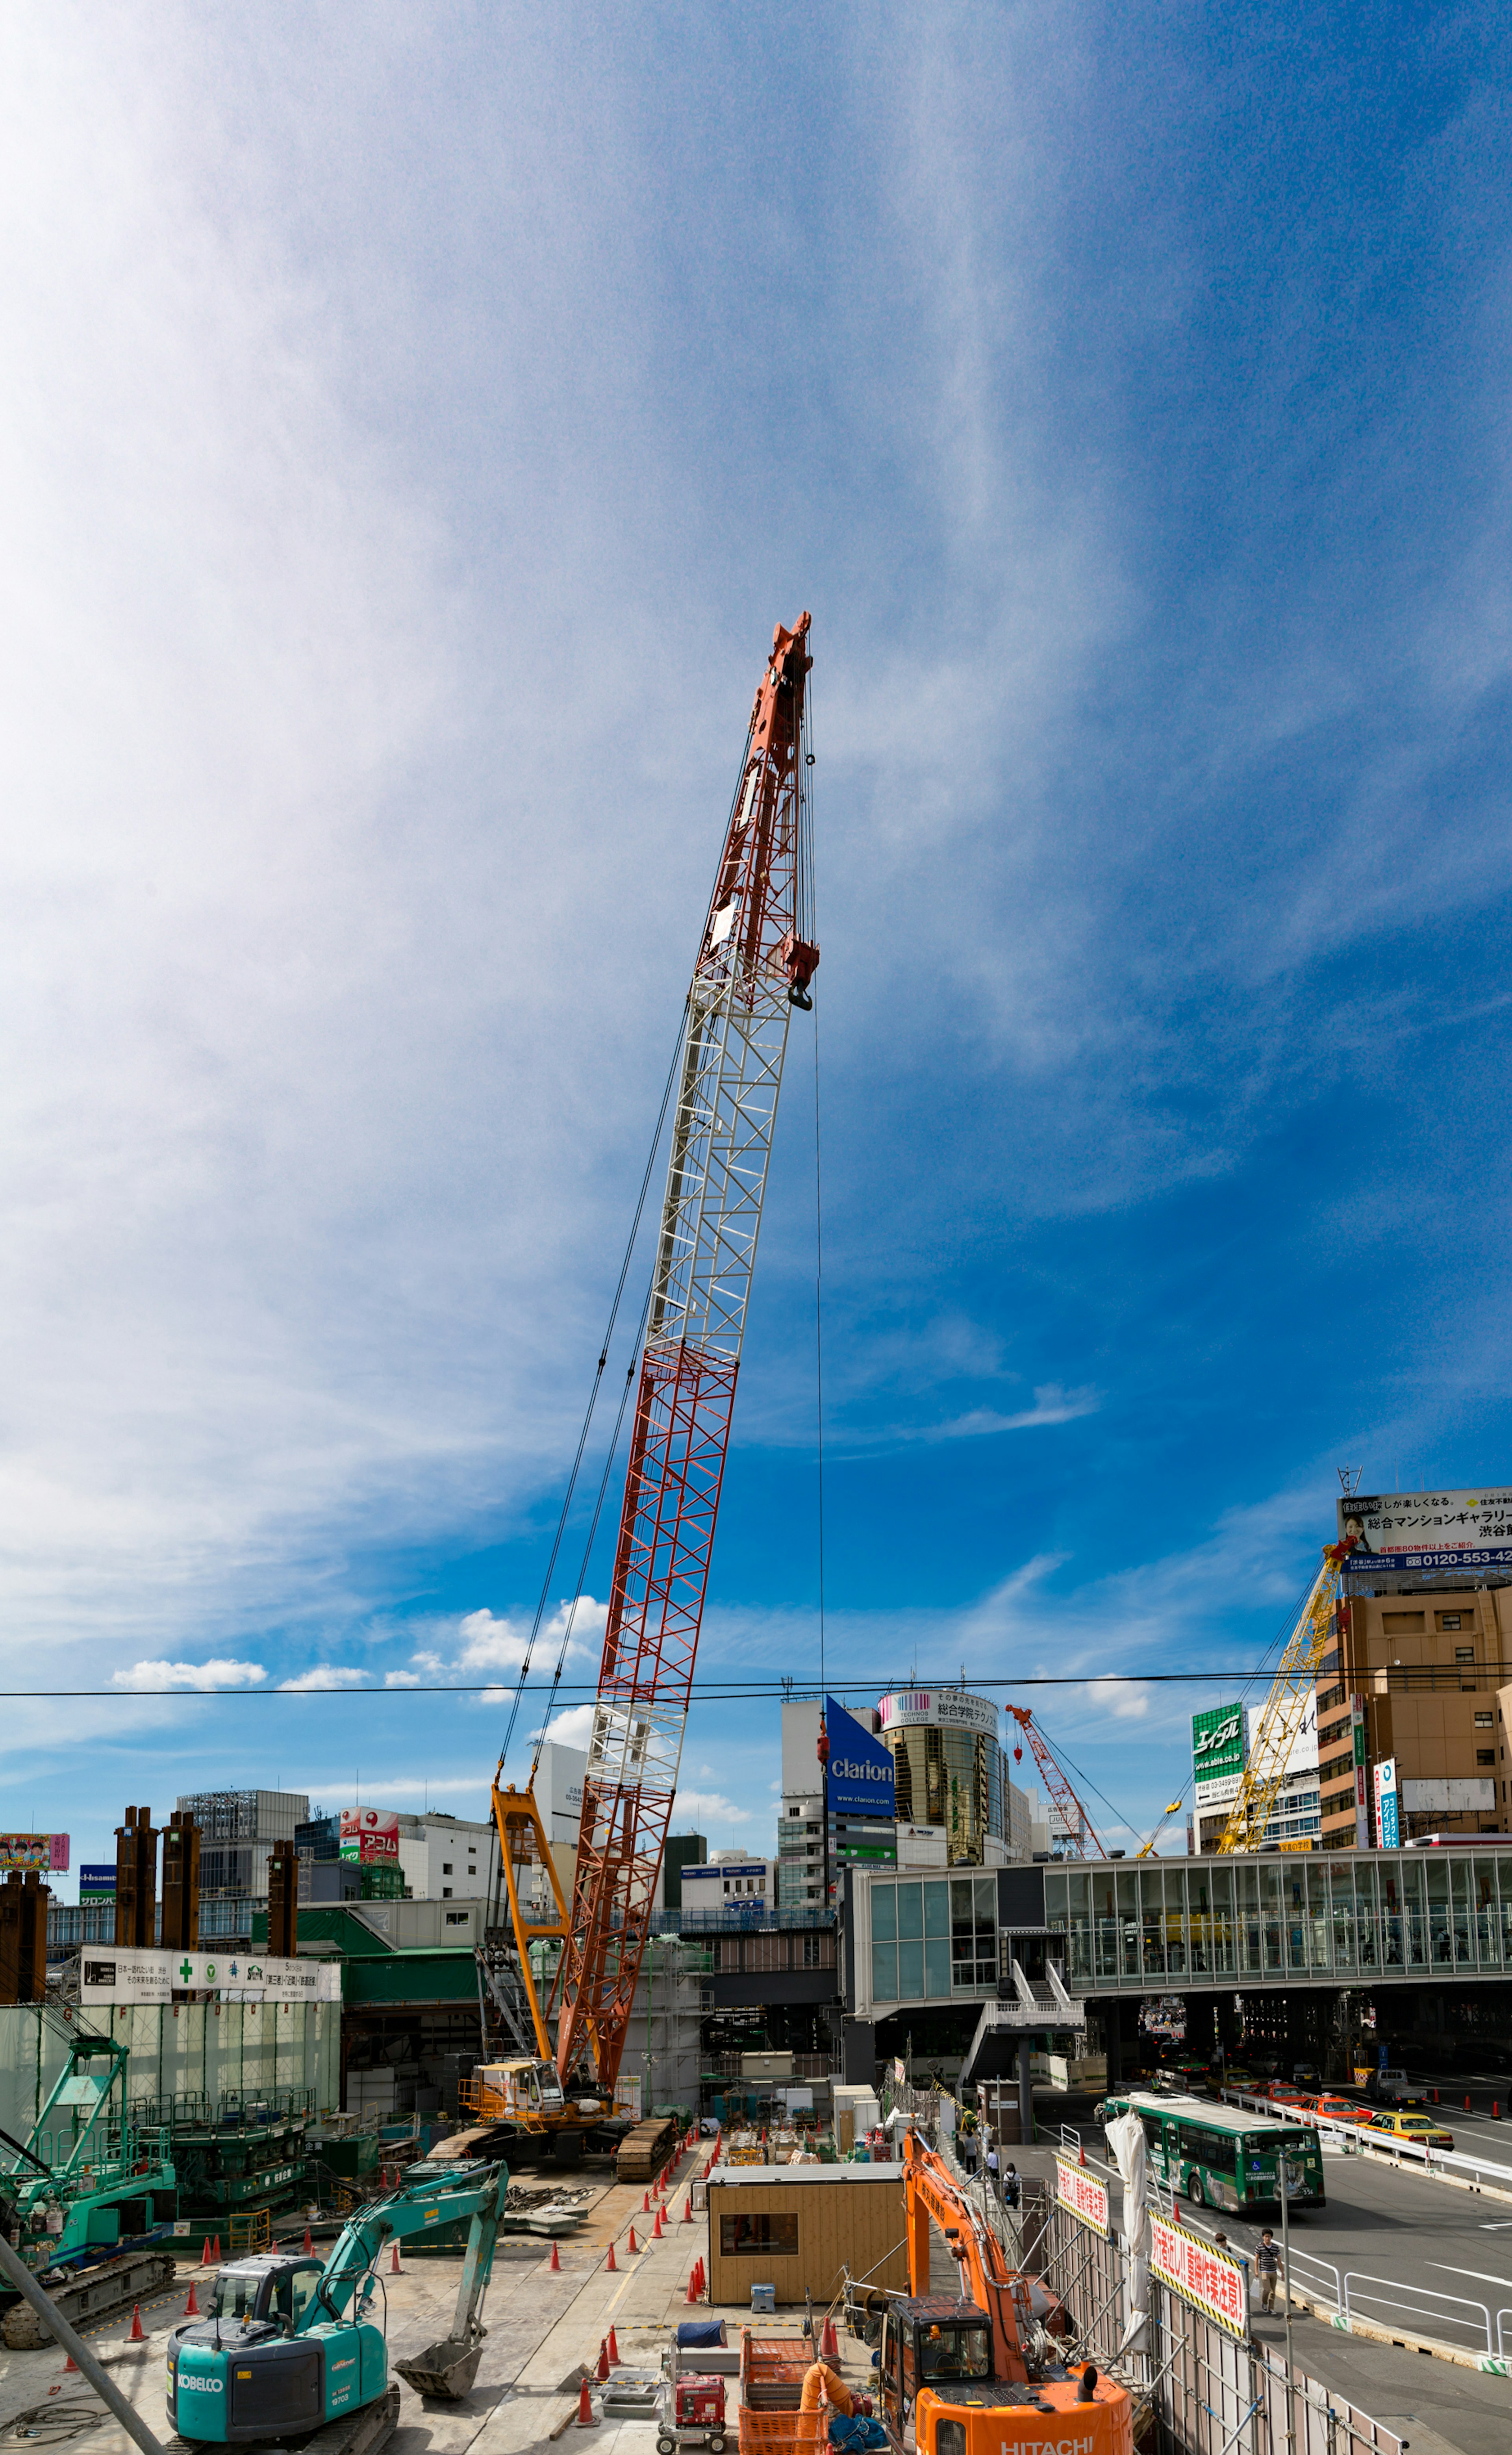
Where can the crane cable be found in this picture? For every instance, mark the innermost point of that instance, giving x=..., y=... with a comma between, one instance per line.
x=593, y=1401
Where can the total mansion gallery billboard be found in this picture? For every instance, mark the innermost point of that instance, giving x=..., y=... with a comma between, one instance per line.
x=1400, y=1531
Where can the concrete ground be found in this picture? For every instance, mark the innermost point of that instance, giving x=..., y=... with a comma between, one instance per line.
x=542, y=2328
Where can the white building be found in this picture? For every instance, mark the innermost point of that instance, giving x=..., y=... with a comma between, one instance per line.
x=730, y=1886
x=445, y=1858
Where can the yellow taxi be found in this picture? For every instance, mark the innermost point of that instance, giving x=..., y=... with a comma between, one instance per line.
x=1421, y=2129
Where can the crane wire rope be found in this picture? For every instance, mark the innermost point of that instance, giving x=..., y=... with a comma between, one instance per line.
x=593, y=1401
x=604, y=1345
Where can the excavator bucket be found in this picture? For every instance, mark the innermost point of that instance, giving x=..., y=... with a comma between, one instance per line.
x=446, y=2370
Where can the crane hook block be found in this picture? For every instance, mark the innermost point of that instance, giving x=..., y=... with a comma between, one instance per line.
x=800, y=962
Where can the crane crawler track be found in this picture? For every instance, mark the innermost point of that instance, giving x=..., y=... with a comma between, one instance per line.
x=97, y=2294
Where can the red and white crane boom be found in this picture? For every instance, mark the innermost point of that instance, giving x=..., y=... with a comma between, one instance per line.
x=754, y=964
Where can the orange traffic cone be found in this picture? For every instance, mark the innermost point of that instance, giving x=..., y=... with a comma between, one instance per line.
x=214, y=2257
x=192, y=2307
x=1467, y=2105
x=645, y=2203
x=687, y=2209
x=556, y=2261
x=692, y=2294
x=204, y=2254
x=70, y=2364
x=603, y=2361
x=138, y=2334
x=609, y=2263
x=395, y=2269
x=586, y=2416
x=631, y=2243
x=1082, y=2146
x=613, y=2350
x=830, y=2349
x=655, y=2230
x=309, y=2245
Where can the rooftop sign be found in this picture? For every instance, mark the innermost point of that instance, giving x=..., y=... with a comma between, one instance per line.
x=861, y=1777
x=1403, y=1531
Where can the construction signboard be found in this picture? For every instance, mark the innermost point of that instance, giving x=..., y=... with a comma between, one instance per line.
x=1084, y=2195
x=1208, y=2280
x=1400, y=1533
x=125, y=1975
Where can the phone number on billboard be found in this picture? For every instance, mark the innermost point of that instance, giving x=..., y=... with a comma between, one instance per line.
x=1361, y=1563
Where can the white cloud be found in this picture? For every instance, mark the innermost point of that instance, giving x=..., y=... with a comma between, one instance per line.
x=326, y=1675
x=711, y=1806
x=217, y=1674
x=1052, y=1405
x=573, y=1728
x=1125, y=1702
x=401, y=1679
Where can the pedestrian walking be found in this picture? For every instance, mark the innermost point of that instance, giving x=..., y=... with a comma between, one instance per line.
x=1011, y=2184
x=993, y=2175
x=968, y=2152
x=1268, y=2268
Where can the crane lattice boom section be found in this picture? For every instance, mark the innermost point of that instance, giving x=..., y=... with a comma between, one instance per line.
x=1285, y=1709
x=1073, y=1814
x=754, y=966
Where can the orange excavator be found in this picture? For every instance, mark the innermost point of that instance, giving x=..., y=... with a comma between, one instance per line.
x=980, y=2373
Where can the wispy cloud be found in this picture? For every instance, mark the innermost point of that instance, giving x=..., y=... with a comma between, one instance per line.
x=215, y=1674
x=326, y=1675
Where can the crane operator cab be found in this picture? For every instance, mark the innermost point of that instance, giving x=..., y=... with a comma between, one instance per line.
x=939, y=2396
x=521, y=2091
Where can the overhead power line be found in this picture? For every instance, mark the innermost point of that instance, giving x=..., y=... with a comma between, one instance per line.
x=777, y=1684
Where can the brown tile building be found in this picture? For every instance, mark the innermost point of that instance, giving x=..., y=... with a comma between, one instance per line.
x=1427, y=1666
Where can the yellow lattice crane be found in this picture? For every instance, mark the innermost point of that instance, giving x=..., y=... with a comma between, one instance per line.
x=1285, y=1708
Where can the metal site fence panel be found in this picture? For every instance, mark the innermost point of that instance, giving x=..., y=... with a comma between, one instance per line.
x=1208, y=2393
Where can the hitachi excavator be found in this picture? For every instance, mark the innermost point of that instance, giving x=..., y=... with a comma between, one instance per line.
x=980, y=2373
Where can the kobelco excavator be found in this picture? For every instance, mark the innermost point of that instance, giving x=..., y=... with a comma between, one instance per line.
x=290, y=2349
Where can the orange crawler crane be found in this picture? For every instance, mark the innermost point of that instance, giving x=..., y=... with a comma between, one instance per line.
x=980, y=2375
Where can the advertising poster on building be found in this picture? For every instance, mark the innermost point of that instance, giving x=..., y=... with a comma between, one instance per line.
x=1217, y=1755
x=41, y=1853
x=1400, y=1531
x=861, y=1777
x=938, y=1709
x=1206, y=2277
x=1388, y=1806
x=370, y=1834
x=1364, y=1826
x=123, y=1975
x=1084, y=2195
x=96, y=1886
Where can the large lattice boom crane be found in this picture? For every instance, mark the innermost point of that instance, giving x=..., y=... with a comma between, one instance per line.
x=1061, y=1794
x=754, y=962
x=1285, y=1709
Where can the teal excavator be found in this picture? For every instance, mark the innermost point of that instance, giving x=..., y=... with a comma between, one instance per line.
x=291, y=2348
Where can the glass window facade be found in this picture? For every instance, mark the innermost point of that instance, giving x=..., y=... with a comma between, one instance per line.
x=1338, y=1914
x=952, y=1777
x=933, y=1938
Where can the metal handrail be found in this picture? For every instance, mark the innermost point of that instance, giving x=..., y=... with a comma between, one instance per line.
x=1458, y=2300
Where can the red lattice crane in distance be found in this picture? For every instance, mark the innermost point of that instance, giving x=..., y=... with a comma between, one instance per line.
x=754, y=962
x=1055, y=1781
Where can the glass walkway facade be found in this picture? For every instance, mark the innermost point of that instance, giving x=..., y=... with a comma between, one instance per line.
x=1338, y=1917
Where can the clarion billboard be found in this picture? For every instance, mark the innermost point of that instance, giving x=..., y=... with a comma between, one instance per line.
x=1406, y=1532
x=861, y=1777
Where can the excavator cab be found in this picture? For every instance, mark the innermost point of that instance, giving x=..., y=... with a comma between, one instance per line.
x=939, y=2395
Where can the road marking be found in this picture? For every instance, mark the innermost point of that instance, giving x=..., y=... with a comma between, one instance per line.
x=1480, y=2273
x=1501, y=2224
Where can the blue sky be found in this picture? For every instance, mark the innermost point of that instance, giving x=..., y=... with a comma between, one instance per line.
x=426, y=415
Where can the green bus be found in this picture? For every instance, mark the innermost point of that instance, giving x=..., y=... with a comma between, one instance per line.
x=1222, y=2157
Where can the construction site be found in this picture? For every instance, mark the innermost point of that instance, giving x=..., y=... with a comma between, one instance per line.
x=859, y=2143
